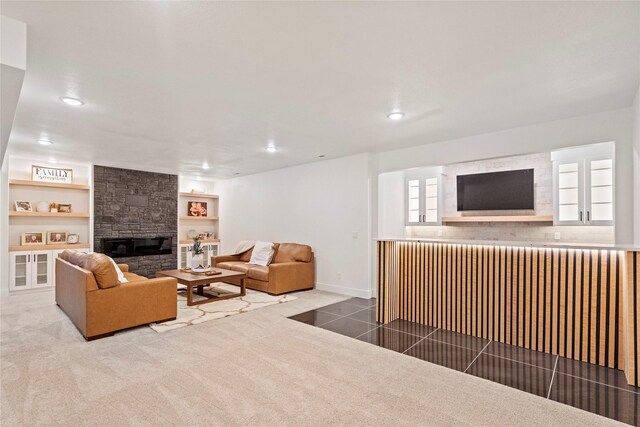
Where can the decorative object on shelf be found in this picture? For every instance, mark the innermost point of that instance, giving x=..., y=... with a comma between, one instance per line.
x=42, y=207
x=23, y=207
x=197, y=261
x=47, y=174
x=197, y=209
x=206, y=272
x=192, y=233
x=57, y=237
x=64, y=208
x=34, y=238
x=53, y=208
x=73, y=239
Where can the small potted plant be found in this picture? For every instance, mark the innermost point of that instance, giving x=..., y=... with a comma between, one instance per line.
x=197, y=260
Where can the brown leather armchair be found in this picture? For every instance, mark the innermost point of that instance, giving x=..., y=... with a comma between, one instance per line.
x=292, y=269
x=98, y=306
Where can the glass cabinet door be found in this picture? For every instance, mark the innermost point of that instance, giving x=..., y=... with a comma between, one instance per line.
x=20, y=271
x=41, y=269
x=600, y=192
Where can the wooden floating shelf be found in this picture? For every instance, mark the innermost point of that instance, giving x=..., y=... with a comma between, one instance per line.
x=27, y=183
x=199, y=218
x=50, y=214
x=199, y=195
x=190, y=241
x=498, y=218
x=20, y=248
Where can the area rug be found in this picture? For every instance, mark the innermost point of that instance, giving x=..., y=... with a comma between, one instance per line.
x=188, y=316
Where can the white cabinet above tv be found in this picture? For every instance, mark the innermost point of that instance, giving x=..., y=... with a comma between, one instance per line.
x=583, y=185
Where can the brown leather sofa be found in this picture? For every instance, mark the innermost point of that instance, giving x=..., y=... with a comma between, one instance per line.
x=88, y=291
x=292, y=269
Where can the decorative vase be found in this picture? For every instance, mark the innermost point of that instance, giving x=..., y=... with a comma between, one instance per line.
x=196, y=262
x=42, y=207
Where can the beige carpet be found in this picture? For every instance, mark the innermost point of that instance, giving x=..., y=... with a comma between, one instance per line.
x=259, y=368
x=195, y=314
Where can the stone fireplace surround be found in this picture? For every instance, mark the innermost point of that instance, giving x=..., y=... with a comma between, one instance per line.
x=130, y=203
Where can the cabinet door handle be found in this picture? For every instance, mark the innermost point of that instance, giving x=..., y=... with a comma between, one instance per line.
x=588, y=216
x=581, y=220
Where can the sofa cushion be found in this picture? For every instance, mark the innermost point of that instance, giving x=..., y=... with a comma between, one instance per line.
x=102, y=268
x=74, y=257
x=258, y=272
x=291, y=252
x=262, y=253
x=121, y=277
x=227, y=264
x=132, y=277
x=246, y=256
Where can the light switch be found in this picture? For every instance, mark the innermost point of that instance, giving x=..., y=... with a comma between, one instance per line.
x=556, y=235
x=354, y=235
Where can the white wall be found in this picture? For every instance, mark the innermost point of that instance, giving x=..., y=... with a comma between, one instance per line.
x=323, y=204
x=636, y=165
x=602, y=127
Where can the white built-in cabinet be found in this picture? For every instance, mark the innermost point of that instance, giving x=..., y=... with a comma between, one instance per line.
x=583, y=185
x=30, y=270
x=423, y=197
x=185, y=252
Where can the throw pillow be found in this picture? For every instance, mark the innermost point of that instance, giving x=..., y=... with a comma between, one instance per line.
x=243, y=246
x=262, y=253
x=121, y=277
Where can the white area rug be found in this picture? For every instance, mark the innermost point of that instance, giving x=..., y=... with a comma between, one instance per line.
x=195, y=314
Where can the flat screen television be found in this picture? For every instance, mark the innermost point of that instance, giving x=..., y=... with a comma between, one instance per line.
x=495, y=191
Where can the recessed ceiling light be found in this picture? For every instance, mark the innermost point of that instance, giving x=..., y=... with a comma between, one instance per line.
x=237, y=173
x=45, y=142
x=271, y=148
x=71, y=101
x=205, y=165
x=396, y=115
x=321, y=156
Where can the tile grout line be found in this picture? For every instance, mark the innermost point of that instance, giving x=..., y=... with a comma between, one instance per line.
x=553, y=375
x=419, y=341
x=477, y=355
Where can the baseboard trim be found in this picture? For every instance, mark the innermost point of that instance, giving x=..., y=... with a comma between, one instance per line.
x=344, y=290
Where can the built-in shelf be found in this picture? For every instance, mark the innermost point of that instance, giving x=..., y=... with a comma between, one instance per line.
x=19, y=248
x=199, y=218
x=199, y=195
x=498, y=218
x=50, y=214
x=190, y=241
x=27, y=183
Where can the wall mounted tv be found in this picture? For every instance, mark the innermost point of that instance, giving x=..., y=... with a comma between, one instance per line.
x=495, y=191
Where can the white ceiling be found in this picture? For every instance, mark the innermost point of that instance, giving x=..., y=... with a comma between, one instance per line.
x=170, y=85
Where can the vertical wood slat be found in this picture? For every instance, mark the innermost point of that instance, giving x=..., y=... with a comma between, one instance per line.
x=562, y=301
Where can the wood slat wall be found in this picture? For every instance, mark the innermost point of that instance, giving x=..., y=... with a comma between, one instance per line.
x=632, y=318
x=569, y=302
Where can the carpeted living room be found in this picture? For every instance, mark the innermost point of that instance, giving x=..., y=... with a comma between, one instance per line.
x=319, y=213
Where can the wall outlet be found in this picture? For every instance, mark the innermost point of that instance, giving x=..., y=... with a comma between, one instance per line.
x=439, y=232
x=354, y=235
x=556, y=235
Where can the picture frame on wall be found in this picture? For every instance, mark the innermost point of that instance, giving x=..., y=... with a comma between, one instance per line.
x=197, y=208
x=32, y=238
x=57, y=237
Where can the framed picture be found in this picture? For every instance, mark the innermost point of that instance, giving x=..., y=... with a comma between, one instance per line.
x=197, y=209
x=23, y=207
x=64, y=208
x=33, y=238
x=56, y=237
x=47, y=174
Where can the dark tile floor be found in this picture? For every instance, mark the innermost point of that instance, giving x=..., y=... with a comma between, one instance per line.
x=593, y=388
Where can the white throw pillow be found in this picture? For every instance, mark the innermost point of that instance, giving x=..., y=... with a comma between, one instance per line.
x=244, y=245
x=262, y=253
x=121, y=278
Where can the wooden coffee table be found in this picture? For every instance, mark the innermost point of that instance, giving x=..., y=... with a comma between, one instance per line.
x=199, y=281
